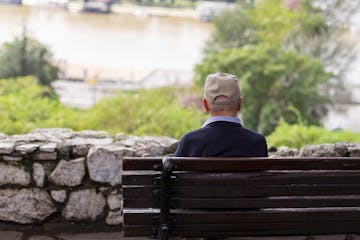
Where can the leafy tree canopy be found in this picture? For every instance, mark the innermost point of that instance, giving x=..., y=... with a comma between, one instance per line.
x=272, y=81
x=26, y=56
x=259, y=44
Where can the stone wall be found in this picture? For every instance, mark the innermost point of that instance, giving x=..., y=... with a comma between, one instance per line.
x=320, y=150
x=59, y=180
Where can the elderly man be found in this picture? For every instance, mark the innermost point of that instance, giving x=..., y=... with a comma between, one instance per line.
x=222, y=135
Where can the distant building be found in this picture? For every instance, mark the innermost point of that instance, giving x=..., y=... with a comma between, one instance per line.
x=11, y=1
x=103, y=6
x=165, y=78
x=207, y=10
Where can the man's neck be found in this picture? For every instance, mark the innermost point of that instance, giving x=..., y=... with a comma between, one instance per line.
x=223, y=114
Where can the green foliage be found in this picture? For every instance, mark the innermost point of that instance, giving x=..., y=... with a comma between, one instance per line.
x=148, y=112
x=300, y=135
x=26, y=56
x=269, y=23
x=273, y=21
x=233, y=29
x=25, y=105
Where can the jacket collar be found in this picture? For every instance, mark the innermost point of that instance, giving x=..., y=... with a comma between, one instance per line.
x=222, y=119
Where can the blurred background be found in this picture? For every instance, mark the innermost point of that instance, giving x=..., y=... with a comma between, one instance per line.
x=138, y=66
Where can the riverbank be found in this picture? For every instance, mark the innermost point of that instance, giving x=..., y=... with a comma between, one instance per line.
x=123, y=8
x=154, y=11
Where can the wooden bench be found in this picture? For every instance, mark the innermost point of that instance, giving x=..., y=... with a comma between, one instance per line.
x=222, y=197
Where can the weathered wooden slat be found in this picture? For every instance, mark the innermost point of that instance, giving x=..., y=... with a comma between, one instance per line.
x=142, y=163
x=139, y=230
x=142, y=203
x=347, y=226
x=265, y=191
x=248, y=203
x=131, y=192
x=139, y=177
x=262, y=164
x=141, y=219
x=246, y=164
x=252, y=229
x=147, y=217
x=244, y=191
x=263, y=177
x=268, y=178
x=256, y=203
x=326, y=228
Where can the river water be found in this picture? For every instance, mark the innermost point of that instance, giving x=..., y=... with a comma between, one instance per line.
x=136, y=43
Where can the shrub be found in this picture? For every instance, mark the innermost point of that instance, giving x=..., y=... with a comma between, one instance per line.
x=148, y=112
x=299, y=135
x=25, y=105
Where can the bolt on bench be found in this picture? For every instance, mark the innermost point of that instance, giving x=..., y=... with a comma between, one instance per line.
x=223, y=197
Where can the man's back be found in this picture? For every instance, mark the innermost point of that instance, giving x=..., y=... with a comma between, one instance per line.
x=225, y=139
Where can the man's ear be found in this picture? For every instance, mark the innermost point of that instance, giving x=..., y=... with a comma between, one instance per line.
x=205, y=105
x=241, y=101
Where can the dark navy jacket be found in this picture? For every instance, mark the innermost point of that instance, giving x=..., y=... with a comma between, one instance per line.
x=222, y=139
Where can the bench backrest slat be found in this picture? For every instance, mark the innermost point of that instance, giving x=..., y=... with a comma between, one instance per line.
x=246, y=164
x=248, y=203
x=246, y=191
x=145, y=163
x=263, y=164
x=263, y=178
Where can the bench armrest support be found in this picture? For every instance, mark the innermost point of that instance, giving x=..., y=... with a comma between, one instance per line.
x=168, y=167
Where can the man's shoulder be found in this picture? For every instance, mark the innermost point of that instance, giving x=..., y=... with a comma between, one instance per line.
x=253, y=133
x=194, y=134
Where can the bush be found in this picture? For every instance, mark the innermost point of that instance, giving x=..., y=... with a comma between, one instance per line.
x=26, y=56
x=25, y=105
x=148, y=112
x=299, y=135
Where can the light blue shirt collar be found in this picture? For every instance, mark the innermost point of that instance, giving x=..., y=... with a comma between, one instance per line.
x=222, y=119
